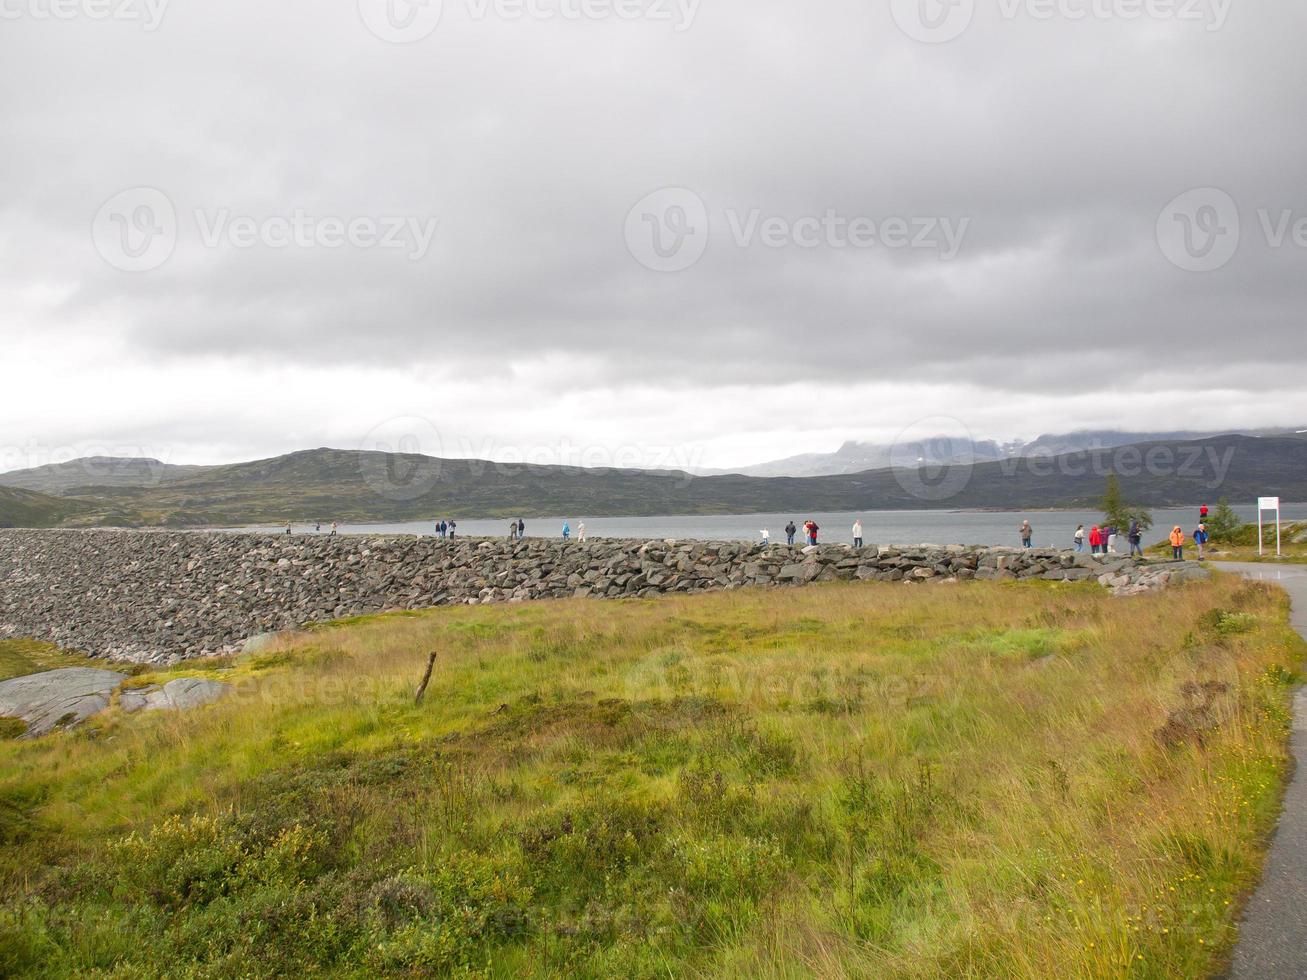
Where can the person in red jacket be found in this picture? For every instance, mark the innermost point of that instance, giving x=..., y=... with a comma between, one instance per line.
x=1095, y=540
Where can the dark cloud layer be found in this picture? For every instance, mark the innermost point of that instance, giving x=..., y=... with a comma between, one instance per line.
x=1057, y=143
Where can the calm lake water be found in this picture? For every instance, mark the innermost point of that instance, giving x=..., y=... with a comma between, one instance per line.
x=1052, y=528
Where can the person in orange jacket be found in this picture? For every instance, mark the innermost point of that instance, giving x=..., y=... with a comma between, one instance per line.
x=1177, y=544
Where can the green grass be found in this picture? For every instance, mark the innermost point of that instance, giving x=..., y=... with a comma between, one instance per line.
x=1017, y=780
x=20, y=657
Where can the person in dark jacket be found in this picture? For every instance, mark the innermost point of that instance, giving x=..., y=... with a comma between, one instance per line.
x=790, y=532
x=1136, y=537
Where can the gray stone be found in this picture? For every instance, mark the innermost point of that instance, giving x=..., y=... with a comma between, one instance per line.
x=58, y=697
x=176, y=695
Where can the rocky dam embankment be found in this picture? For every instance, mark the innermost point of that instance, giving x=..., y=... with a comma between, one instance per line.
x=161, y=596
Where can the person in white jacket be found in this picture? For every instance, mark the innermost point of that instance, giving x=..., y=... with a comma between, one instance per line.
x=580, y=531
x=857, y=533
x=766, y=537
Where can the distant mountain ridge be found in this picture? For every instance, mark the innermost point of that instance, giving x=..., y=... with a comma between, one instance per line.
x=365, y=487
x=858, y=457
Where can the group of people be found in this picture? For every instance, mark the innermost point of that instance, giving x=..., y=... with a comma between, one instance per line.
x=810, y=529
x=317, y=526
x=1201, y=537
x=1102, y=539
x=446, y=529
x=567, y=531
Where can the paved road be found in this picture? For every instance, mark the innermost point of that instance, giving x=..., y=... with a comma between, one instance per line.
x=1273, y=936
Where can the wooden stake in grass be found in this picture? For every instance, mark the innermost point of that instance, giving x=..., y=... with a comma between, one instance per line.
x=426, y=678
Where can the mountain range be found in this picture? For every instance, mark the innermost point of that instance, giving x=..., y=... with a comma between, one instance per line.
x=355, y=486
x=858, y=457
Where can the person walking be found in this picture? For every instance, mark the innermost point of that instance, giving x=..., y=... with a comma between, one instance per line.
x=1177, y=543
x=790, y=532
x=521, y=528
x=1200, y=539
x=567, y=531
x=1079, y=538
x=1136, y=537
x=857, y=533
x=1027, y=535
x=580, y=531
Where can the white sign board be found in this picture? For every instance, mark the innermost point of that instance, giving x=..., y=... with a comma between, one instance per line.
x=1265, y=504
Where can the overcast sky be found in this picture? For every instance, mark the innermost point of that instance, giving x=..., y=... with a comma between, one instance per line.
x=683, y=232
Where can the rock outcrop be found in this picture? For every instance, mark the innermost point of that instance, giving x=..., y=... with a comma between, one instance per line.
x=58, y=698
x=162, y=596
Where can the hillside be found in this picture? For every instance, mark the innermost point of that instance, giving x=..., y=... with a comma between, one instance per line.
x=330, y=484
x=23, y=508
x=95, y=471
x=1023, y=781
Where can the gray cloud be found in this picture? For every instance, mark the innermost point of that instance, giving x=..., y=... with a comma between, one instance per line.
x=1059, y=143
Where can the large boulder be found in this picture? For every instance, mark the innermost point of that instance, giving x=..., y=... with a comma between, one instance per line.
x=58, y=698
x=177, y=695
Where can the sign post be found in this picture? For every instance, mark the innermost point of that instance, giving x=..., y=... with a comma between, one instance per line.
x=1265, y=504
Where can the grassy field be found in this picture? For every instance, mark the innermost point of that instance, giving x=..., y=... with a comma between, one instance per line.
x=1015, y=780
